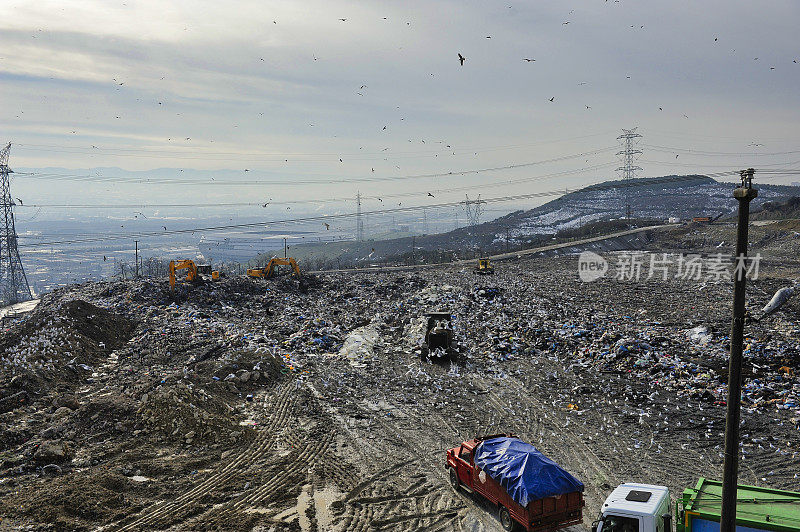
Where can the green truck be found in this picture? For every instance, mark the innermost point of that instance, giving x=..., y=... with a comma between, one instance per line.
x=645, y=508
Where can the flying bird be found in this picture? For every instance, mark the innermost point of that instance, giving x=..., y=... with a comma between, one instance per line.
x=165, y=227
x=20, y=201
x=565, y=23
x=528, y=60
x=461, y=59
x=327, y=226
x=553, y=98
x=104, y=258
x=343, y=19
x=431, y=195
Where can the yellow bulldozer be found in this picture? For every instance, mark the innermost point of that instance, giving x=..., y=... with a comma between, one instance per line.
x=484, y=266
x=193, y=274
x=268, y=271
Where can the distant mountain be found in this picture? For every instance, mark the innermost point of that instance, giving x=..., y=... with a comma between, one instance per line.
x=778, y=210
x=651, y=200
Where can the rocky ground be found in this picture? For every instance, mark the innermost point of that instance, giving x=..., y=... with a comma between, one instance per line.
x=270, y=405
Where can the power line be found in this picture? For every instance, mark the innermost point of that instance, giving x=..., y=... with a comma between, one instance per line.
x=130, y=236
x=503, y=183
x=226, y=182
x=177, y=150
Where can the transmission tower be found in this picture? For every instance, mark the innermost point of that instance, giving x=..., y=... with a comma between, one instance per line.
x=629, y=167
x=13, y=283
x=359, y=220
x=473, y=209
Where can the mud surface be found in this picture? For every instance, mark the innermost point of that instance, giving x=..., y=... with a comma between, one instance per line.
x=253, y=405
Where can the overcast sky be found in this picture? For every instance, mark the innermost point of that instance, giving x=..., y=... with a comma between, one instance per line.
x=281, y=91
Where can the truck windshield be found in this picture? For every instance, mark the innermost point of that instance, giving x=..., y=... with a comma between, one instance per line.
x=618, y=523
x=466, y=455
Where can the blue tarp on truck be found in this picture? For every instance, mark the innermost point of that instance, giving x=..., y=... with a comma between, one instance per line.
x=524, y=472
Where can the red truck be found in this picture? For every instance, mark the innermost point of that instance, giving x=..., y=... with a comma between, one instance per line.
x=528, y=488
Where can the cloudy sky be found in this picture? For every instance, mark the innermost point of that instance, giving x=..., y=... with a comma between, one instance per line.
x=236, y=101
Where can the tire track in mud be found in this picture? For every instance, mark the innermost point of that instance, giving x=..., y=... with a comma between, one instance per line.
x=592, y=466
x=281, y=407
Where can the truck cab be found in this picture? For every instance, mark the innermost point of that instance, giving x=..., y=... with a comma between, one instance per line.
x=635, y=508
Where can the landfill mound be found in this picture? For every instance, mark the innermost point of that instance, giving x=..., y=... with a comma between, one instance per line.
x=252, y=404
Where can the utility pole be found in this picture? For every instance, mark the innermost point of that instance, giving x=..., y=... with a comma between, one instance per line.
x=359, y=221
x=14, y=286
x=508, y=241
x=285, y=249
x=137, y=258
x=628, y=168
x=744, y=194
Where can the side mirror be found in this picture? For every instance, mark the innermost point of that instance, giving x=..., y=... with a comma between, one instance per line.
x=667, y=517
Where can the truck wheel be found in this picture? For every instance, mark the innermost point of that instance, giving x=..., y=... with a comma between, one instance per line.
x=505, y=519
x=454, y=480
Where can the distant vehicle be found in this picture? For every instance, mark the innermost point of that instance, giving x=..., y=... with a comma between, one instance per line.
x=484, y=266
x=439, y=344
x=529, y=489
x=646, y=508
x=701, y=219
x=673, y=220
x=193, y=273
x=268, y=271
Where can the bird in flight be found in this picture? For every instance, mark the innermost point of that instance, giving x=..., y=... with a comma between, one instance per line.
x=461, y=59
x=565, y=23
x=528, y=60
x=20, y=201
x=327, y=226
x=343, y=19
x=431, y=195
x=165, y=227
x=588, y=107
x=551, y=99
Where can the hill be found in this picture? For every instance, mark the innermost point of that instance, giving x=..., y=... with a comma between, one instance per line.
x=599, y=208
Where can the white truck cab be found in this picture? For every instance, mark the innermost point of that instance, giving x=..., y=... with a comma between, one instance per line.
x=635, y=508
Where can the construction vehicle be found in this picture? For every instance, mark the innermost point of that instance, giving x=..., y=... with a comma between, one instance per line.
x=529, y=489
x=484, y=266
x=269, y=270
x=646, y=508
x=439, y=344
x=194, y=272
x=192, y=275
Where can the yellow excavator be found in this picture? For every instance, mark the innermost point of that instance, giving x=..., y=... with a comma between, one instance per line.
x=269, y=270
x=193, y=273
